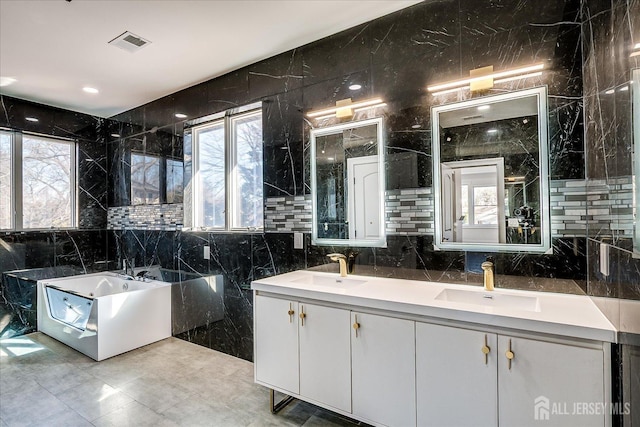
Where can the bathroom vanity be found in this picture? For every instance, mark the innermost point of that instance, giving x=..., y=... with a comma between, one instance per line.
x=400, y=352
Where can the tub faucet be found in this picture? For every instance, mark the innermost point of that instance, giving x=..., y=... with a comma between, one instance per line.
x=487, y=267
x=343, y=263
x=128, y=266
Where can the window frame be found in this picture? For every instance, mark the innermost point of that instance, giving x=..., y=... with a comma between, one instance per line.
x=17, y=180
x=232, y=194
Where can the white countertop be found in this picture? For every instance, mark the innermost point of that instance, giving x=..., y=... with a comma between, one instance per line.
x=566, y=315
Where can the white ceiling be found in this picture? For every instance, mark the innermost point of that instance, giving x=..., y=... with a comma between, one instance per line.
x=54, y=47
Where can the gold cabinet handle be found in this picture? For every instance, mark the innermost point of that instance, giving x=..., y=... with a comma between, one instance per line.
x=510, y=355
x=302, y=315
x=356, y=325
x=290, y=312
x=486, y=350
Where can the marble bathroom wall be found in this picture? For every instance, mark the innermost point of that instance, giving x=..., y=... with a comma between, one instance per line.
x=611, y=29
x=394, y=57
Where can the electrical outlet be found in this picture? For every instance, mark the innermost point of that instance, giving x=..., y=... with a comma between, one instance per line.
x=207, y=252
x=298, y=241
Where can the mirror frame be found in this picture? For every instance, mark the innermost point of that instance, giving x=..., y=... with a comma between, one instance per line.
x=635, y=129
x=543, y=158
x=381, y=242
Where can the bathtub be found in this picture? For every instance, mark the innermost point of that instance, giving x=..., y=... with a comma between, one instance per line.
x=104, y=314
x=197, y=300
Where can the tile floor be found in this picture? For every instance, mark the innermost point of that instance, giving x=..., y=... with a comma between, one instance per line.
x=169, y=383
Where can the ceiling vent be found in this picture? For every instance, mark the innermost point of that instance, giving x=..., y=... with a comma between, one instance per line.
x=129, y=42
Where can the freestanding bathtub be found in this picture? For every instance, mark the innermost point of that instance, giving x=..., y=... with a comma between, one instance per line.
x=104, y=314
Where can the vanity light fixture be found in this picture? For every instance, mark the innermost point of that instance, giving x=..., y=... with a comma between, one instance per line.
x=89, y=89
x=346, y=108
x=485, y=78
x=181, y=116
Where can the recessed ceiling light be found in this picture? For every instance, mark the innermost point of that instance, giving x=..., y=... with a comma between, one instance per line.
x=6, y=81
x=492, y=130
x=90, y=89
x=31, y=119
x=115, y=135
x=355, y=87
x=483, y=107
x=181, y=116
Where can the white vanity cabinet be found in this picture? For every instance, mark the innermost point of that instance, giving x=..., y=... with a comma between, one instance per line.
x=383, y=369
x=456, y=385
x=566, y=376
x=466, y=378
x=303, y=350
x=393, y=352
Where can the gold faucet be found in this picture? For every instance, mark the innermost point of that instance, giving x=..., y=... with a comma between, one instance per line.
x=343, y=263
x=487, y=266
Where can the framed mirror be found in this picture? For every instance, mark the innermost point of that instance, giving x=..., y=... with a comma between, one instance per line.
x=347, y=184
x=491, y=178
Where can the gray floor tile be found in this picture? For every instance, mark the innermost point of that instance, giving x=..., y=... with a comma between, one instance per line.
x=35, y=406
x=155, y=393
x=133, y=414
x=168, y=383
x=94, y=399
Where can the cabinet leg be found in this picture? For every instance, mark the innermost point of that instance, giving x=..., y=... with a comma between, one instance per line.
x=276, y=407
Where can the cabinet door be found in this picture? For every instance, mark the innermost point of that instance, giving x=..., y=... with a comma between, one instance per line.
x=455, y=384
x=556, y=383
x=383, y=369
x=325, y=355
x=276, y=342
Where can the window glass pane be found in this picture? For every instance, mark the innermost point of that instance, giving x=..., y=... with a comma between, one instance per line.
x=248, y=206
x=5, y=180
x=145, y=179
x=211, y=173
x=174, y=181
x=46, y=183
x=485, y=205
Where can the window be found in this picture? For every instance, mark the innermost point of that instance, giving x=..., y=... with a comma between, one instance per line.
x=37, y=182
x=227, y=170
x=485, y=205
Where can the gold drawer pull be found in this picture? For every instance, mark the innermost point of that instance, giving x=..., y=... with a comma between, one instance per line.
x=486, y=350
x=356, y=325
x=302, y=315
x=510, y=355
x=290, y=313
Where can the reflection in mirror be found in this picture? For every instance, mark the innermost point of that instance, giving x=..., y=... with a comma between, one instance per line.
x=145, y=179
x=147, y=174
x=635, y=77
x=491, y=173
x=347, y=184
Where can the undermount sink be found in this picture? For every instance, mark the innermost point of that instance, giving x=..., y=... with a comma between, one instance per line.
x=490, y=299
x=328, y=281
